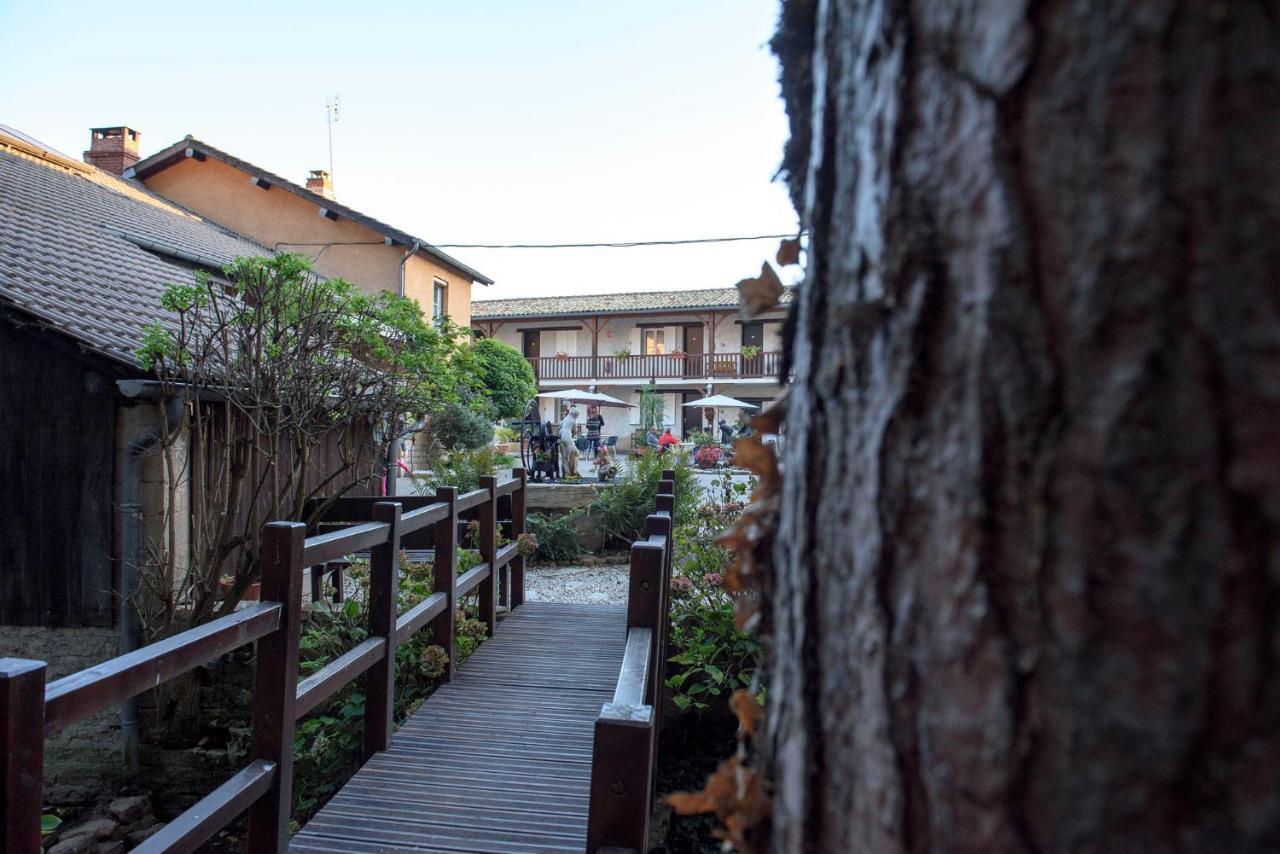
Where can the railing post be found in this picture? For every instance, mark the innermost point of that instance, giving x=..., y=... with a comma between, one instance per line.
x=518, y=508
x=276, y=684
x=621, y=779
x=444, y=571
x=22, y=747
x=488, y=551
x=384, y=572
x=646, y=597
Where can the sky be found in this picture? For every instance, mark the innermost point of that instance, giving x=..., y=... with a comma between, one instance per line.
x=460, y=122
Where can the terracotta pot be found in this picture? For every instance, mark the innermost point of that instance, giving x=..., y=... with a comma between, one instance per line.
x=252, y=593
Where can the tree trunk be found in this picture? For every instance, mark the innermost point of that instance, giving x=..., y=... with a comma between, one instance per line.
x=1028, y=557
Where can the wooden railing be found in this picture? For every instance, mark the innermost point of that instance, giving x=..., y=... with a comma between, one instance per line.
x=30, y=709
x=668, y=366
x=625, y=753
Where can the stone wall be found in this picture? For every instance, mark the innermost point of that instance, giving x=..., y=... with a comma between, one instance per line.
x=83, y=759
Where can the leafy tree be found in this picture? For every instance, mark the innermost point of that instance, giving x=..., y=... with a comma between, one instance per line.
x=505, y=375
x=458, y=428
x=294, y=387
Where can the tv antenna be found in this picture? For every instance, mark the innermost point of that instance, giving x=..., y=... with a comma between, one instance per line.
x=331, y=116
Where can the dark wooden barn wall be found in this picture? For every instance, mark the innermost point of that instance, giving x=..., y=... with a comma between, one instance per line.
x=57, y=435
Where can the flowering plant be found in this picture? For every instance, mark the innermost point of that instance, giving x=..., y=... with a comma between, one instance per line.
x=527, y=544
x=707, y=456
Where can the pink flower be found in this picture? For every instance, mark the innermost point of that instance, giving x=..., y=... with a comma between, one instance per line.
x=713, y=578
x=680, y=584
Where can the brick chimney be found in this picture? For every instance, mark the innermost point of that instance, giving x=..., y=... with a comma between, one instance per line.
x=320, y=183
x=112, y=149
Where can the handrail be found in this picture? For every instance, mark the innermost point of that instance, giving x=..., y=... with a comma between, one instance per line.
x=408, y=624
x=415, y=520
x=625, y=749
x=505, y=555
x=633, y=678
x=76, y=697
x=323, y=548
x=264, y=787
x=472, y=499
x=471, y=579
x=214, y=811
x=335, y=675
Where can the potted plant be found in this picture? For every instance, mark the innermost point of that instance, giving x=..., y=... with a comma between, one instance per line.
x=561, y=356
x=677, y=354
x=750, y=351
x=622, y=354
x=606, y=468
x=707, y=457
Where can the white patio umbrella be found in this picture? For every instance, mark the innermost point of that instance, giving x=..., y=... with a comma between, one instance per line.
x=722, y=400
x=718, y=400
x=574, y=395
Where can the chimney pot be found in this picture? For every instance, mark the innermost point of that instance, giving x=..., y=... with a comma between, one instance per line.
x=112, y=149
x=320, y=183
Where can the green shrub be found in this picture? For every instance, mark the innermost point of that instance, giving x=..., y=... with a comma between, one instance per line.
x=556, y=536
x=458, y=428
x=462, y=469
x=506, y=376
x=620, y=510
x=710, y=658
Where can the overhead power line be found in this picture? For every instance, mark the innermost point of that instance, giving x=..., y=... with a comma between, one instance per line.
x=621, y=244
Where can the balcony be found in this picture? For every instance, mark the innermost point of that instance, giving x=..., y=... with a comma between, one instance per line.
x=715, y=366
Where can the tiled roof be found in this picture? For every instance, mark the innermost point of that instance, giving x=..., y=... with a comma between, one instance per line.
x=646, y=301
x=177, y=151
x=71, y=247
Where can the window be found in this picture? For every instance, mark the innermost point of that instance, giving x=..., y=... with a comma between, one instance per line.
x=439, y=301
x=655, y=343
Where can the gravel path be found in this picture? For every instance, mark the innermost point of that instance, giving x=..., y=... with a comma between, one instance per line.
x=604, y=584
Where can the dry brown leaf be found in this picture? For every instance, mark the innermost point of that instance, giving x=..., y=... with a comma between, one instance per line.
x=761, y=293
x=736, y=794
x=788, y=252
x=748, y=710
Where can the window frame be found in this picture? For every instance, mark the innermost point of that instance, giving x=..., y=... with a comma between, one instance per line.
x=439, y=298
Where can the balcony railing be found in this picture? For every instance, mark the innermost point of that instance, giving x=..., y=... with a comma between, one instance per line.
x=668, y=366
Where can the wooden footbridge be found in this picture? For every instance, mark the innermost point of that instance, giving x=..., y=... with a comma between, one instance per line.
x=544, y=740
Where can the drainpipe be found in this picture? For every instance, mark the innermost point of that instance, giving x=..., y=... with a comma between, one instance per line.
x=405, y=260
x=393, y=447
x=142, y=445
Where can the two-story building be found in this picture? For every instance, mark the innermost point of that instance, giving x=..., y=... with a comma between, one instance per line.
x=286, y=217
x=685, y=344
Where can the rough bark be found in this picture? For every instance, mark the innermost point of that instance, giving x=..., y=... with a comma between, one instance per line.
x=1028, y=560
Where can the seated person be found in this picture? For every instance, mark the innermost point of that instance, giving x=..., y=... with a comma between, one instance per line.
x=667, y=440
x=651, y=438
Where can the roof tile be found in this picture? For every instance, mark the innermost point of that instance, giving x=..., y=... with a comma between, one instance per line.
x=640, y=302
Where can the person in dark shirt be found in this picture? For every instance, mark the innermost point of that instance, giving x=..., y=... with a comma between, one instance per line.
x=726, y=432
x=595, y=423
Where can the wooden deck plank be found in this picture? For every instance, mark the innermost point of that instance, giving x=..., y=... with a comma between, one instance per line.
x=499, y=759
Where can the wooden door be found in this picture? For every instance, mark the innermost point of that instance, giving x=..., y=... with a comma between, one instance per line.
x=694, y=352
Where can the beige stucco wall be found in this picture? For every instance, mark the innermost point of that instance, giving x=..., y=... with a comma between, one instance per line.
x=420, y=275
x=280, y=219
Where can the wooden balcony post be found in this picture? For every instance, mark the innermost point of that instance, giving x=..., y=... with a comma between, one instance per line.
x=621, y=779
x=384, y=581
x=519, y=503
x=22, y=747
x=444, y=572
x=276, y=684
x=488, y=551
